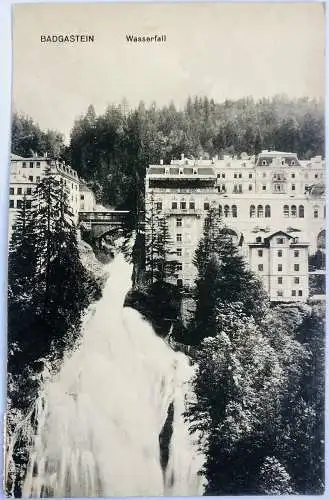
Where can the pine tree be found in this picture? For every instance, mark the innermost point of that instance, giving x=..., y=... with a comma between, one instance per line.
x=166, y=266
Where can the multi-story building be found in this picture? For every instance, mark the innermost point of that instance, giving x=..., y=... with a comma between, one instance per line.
x=281, y=261
x=256, y=196
x=26, y=173
x=87, y=198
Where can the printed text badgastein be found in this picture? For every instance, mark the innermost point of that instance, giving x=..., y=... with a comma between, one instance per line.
x=68, y=38
x=146, y=39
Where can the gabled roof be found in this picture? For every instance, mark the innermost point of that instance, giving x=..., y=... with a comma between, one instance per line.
x=277, y=233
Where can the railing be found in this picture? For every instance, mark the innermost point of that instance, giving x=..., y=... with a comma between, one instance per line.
x=182, y=211
x=111, y=216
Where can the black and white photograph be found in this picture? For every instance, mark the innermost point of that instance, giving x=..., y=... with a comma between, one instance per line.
x=166, y=250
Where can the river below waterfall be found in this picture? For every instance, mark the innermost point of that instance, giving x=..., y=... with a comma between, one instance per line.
x=99, y=419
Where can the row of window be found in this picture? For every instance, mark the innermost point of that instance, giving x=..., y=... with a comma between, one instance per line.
x=31, y=164
x=19, y=191
x=293, y=293
x=296, y=280
x=279, y=253
x=296, y=267
x=19, y=204
x=260, y=211
x=276, y=177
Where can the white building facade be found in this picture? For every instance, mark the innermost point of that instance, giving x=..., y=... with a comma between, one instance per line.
x=257, y=197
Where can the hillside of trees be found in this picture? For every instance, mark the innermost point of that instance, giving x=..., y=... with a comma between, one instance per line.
x=259, y=381
x=112, y=150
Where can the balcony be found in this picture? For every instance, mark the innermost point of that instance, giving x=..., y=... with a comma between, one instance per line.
x=184, y=211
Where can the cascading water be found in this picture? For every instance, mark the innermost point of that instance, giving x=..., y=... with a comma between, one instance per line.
x=99, y=419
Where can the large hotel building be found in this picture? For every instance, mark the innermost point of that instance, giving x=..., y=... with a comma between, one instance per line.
x=274, y=203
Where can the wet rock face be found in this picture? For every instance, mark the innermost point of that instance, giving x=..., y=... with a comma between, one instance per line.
x=165, y=437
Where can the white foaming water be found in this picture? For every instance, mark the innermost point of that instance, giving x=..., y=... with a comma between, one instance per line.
x=100, y=418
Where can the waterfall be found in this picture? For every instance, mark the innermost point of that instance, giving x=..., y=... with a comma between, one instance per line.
x=99, y=418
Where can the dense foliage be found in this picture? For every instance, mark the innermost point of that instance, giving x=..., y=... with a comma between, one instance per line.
x=259, y=381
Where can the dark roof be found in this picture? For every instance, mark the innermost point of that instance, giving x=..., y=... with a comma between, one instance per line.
x=156, y=170
x=288, y=158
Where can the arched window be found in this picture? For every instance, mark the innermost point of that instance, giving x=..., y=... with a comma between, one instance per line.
x=252, y=211
x=226, y=210
x=301, y=211
x=316, y=212
x=264, y=162
x=234, y=211
x=260, y=211
x=220, y=210
x=267, y=211
x=293, y=211
x=286, y=211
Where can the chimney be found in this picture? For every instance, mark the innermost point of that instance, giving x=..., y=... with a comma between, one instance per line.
x=161, y=162
x=46, y=154
x=182, y=156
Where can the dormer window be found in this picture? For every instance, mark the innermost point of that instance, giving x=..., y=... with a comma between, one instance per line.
x=292, y=162
x=282, y=162
x=258, y=239
x=167, y=170
x=181, y=171
x=264, y=162
x=195, y=171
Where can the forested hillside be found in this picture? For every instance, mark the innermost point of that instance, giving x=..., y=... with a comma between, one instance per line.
x=112, y=150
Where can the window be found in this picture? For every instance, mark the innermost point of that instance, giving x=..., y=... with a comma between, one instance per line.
x=24, y=164
x=301, y=211
x=280, y=267
x=252, y=211
x=296, y=267
x=220, y=210
x=28, y=191
x=11, y=191
x=235, y=176
x=179, y=282
x=234, y=211
x=316, y=176
x=260, y=212
x=31, y=178
x=300, y=293
x=296, y=253
x=11, y=204
x=179, y=222
x=264, y=162
x=280, y=279
x=250, y=187
x=223, y=176
x=280, y=241
x=260, y=253
x=178, y=237
x=31, y=164
x=293, y=293
x=19, y=190
x=226, y=210
x=240, y=176
x=279, y=253
x=292, y=175
x=279, y=293
x=250, y=176
x=264, y=187
x=179, y=252
x=158, y=205
x=293, y=187
x=183, y=205
x=316, y=213
x=38, y=164
x=28, y=203
x=19, y=203
x=180, y=266
x=296, y=280
x=37, y=179
x=206, y=206
x=260, y=267
x=192, y=205
x=286, y=211
x=174, y=205
x=267, y=211
x=258, y=239
x=293, y=211
x=82, y=196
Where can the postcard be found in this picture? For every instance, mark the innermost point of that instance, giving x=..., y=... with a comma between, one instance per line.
x=166, y=250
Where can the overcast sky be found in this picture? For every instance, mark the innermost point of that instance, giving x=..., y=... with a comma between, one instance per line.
x=219, y=50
